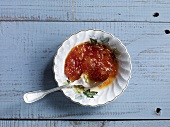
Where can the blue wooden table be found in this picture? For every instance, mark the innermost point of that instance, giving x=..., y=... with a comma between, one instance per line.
x=31, y=32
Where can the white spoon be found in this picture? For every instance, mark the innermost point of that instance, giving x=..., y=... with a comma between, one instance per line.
x=33, y=96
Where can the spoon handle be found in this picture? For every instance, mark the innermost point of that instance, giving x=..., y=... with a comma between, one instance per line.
x=31, y=97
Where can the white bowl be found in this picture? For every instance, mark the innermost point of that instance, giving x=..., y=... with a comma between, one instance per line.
x=106, y=94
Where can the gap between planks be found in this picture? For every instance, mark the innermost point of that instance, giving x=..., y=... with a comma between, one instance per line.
x=11, y=119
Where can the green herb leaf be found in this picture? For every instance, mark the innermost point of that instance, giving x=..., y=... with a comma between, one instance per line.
x=104, y=40
x=68, y=81
x=93, y=41
x=116, y=52
x=89, y=93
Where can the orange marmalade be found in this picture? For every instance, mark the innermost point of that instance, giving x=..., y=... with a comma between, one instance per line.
x=97, y=61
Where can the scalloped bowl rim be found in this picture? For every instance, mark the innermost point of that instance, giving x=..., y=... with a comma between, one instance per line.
x=127, y=81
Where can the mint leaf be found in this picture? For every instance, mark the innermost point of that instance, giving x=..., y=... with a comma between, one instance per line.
x=116, y=52
x=89, y=93
x=93, y=41
x=68, y=81
x=104, y=40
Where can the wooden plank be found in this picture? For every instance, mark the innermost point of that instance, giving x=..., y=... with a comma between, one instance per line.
x=36, y=10
x=121, y=10
x=159, y=123
x=85, y=10
x=26, y=54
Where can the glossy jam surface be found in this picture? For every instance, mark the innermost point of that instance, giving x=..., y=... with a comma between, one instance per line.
x=97, y=61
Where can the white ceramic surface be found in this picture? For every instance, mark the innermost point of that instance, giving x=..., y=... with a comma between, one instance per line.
x=106, y=94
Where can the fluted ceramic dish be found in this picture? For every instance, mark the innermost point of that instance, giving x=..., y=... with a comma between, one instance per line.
x=97, y=96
